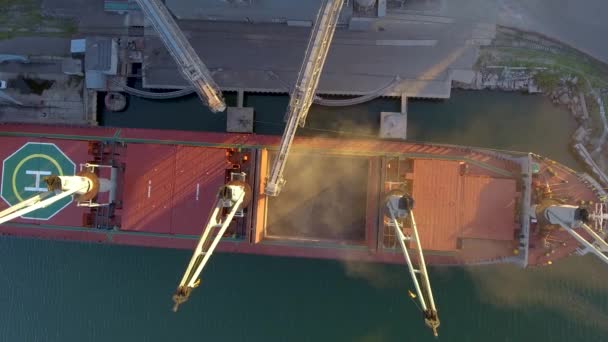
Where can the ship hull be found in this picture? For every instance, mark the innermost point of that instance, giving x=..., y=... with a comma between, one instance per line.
x=469, y=201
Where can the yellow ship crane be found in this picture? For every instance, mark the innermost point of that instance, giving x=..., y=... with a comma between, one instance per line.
x=84, y=186
x=231, y=199
x=400, y=206
x=303, y=94
x=573, y=218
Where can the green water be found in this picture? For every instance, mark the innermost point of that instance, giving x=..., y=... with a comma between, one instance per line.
x=483, y=118
x=477, y=118
x=59, y=291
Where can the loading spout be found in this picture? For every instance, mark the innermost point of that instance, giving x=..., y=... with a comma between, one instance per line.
x=432, y=321
x=304, y=91
x=181, y=296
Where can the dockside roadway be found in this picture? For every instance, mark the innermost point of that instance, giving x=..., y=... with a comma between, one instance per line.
x=410, y=41
x=423, y=53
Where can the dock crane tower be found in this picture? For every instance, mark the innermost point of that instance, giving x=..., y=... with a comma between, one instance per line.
x=231, y=198
x=84, y=186
x=400, y=206
x=303, y=93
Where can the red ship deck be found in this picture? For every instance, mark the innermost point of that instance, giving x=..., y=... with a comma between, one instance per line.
x=168, y=188
x=567, y=188
x=465, y=198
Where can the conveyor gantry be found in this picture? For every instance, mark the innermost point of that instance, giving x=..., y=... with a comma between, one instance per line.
x=303, y=93
x=191, y=66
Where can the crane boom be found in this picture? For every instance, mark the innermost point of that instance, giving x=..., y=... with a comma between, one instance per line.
x=189, y=63
x=571, y=217
x=59, y=188
x=400, y=206
x=231, y=197
x=303, y=93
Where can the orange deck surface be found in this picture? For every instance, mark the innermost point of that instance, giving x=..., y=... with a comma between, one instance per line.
x=437, y=194
x=488, y=208
x=450, y=206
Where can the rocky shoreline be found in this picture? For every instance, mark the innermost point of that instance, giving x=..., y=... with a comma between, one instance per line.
x=565, y=91
x=522, y=79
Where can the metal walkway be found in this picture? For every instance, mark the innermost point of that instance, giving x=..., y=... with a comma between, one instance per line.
x=360, y=99
x=153, y=95
x=191, y=66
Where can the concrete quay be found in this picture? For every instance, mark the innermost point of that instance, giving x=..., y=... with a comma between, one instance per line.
x=267, y=58
x=41, y=92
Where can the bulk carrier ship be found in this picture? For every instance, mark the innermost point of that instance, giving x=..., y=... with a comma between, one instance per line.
x=472, y=205
x=345, y=199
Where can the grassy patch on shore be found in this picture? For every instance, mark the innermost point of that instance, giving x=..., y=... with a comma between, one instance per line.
x=551, y=66
x=24, y=18
x=566, y=63
x=547, y=80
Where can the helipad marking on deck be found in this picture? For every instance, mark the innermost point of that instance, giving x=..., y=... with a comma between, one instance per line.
x=23, y=175
x=37, y=174
x=58, y=167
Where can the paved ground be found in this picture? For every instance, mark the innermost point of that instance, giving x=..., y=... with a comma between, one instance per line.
x=269, y=56
x=577, y=22
x=580, y=23
x=420, y=41
x=89, y=13
x=426, y=39
x=257, y=11
x=36, y=46
x=48, y=96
